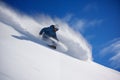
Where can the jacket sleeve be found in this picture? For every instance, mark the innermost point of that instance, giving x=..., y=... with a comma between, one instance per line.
x=41, y=32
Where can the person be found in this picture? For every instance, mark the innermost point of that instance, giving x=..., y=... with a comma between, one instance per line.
x=48, y=32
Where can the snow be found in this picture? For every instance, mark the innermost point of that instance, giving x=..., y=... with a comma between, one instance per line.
x=30, y=27
x=23, y=56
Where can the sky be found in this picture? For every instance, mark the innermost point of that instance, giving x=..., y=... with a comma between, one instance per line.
x=97, y=20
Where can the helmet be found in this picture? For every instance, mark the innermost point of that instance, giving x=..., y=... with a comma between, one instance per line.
x=54, y=27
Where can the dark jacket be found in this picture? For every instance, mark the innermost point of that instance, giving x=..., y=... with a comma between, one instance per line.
x=49, y=31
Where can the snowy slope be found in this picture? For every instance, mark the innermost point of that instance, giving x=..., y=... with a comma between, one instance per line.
x=22, y=59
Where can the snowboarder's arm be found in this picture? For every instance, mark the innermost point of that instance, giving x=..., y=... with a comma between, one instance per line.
x=41, y=32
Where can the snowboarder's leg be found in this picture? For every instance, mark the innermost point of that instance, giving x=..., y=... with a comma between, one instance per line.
x=52, y=44
x=49, y=42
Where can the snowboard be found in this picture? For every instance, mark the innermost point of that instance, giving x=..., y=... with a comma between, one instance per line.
x=52, y=46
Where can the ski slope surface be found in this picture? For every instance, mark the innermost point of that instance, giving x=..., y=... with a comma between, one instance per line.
x=23, y=56
x=26, y=60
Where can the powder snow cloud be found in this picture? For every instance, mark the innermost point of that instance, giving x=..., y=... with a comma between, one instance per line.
x=78, y=46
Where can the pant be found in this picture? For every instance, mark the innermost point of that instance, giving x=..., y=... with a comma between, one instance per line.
x=48, y=40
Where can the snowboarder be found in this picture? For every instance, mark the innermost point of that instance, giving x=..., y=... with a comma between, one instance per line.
x=50, y=32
